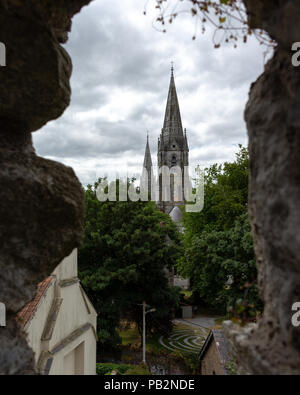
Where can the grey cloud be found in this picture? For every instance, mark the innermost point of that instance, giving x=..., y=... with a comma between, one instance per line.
x=112, y=51
x=107, y=139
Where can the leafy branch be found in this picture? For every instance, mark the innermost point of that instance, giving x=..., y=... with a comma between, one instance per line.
x=227, y=17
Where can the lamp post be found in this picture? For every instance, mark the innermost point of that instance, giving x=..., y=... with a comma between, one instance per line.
x=144, y=329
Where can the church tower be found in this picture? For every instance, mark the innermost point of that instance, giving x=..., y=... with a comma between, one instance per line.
x=173, y=151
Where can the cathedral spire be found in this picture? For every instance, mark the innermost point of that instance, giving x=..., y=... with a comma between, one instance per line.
x=147, y=158
x=173, y=152
x=172, y=121
x=147, y=173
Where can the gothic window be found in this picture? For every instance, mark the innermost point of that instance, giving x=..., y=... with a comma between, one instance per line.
x=173, y=163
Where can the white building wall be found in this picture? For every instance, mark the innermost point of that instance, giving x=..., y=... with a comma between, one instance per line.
x=75, y=312
x=182, y=283
x=63, y=360
x=72, y=314
x=68, y=267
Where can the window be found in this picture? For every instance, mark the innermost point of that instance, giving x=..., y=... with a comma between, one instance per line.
x=173, y=163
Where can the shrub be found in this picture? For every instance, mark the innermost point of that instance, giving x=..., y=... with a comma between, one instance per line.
x=107, y=368
x=138, y=370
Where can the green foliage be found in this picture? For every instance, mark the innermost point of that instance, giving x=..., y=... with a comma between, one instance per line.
x=122, y=261
x=231, y=367
x=191, y=361
x=218, y=241
x=106, y=368
x=123, y=369
x=213, y=256
x=138, y=370
x=226, y=196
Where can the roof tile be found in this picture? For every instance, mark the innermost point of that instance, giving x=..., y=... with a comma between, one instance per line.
x=28, y=310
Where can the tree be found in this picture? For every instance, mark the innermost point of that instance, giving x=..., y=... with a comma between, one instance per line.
x=122, y=261
x=229, y=19
x=215, y=257
x=218, y=241
x=226, y=196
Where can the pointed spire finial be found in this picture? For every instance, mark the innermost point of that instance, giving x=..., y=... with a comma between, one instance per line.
x=172, y=120
x=172, y=67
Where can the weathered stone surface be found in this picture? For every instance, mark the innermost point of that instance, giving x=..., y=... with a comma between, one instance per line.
x=41, y=201
x=37, y=66
x=15, y=356
x=55, y=14
x=280, y=18
x=41, y=221
x=39, y=69
x=273, y=121
x=238, y=339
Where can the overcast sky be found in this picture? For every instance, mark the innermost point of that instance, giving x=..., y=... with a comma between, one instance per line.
x=120, y=84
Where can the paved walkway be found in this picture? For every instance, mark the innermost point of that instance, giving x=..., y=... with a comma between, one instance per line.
x=200, y=321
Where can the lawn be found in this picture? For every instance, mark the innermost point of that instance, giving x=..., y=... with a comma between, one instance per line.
x=180, y=348
x=130, y=336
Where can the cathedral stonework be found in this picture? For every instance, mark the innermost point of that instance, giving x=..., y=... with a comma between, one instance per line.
x=172, y=155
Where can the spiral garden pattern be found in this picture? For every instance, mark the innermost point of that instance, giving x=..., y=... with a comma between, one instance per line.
x=184, y=340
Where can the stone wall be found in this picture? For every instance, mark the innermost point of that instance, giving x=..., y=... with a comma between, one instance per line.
x=273, y=121
x=42, y=205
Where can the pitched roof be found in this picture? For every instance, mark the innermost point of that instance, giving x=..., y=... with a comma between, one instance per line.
x=221, y=344
x=28, y=310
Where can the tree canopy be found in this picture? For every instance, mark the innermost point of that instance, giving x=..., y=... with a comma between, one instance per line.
x=219, y=256
x=122, y=261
